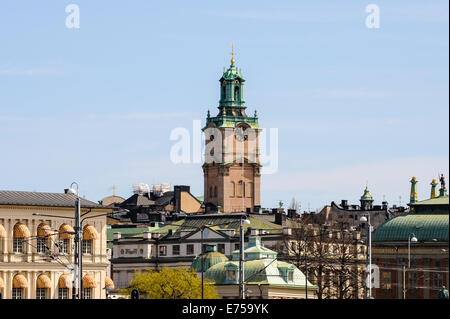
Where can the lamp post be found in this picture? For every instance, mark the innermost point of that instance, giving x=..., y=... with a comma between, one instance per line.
x=241, y=257
x=411, y=238
x=369, y=253
x=77, y=277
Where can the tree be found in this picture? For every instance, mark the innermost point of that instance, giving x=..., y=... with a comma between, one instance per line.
x=171, y=283
x=330, y=257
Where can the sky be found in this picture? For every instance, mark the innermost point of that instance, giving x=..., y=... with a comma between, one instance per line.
x=354, y=106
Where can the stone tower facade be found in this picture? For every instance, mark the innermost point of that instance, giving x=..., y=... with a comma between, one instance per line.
x=232, y=168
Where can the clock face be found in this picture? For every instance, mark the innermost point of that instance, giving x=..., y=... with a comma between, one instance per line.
x=240, y=133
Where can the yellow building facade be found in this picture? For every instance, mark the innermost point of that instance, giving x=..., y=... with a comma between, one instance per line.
x=37, y=251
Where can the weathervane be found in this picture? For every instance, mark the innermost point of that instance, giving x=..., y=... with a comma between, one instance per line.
x=232, y=54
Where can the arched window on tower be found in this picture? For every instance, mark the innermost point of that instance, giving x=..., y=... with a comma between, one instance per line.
x=224, y=91
x=215, y=191
x=250, y=190
x=241, y=189
x=233, y=189
x=236, y=93
x=211, y=191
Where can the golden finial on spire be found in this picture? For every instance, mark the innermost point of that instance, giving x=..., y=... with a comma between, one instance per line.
x=232, y=54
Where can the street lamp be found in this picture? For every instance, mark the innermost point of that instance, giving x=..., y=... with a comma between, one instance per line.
x=414, y=240
x=365, y=219
x=241, y=257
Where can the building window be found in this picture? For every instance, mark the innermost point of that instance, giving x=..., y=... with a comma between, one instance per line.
x=386, y=280
x=236, y=93
x=231, y=275
x=236, y=246
x=163, y=250
x=86, y=246
x=250, y=190
x=413, y=279
x=221, y=248
x=215, y=191
x=241, y=189
x=290, y=276
x=176, y=250
x=87, y=293
x=41, y=245
x=189, y=249
x=18, y=245
x=64, y=246
x=17, y=293
x=233, y=189
x=63, y=293
x=41, y=293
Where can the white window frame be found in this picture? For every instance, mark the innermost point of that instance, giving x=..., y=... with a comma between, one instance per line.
x=86, y=246
x=17, y=293
x=87, y=293
x=63, y=293
x=18, y=245
x=41, y=245
x=41, y=293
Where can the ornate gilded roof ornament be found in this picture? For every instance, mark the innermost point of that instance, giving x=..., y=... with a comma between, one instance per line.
x=413, y=195
x=232, y=54
x=433, y=188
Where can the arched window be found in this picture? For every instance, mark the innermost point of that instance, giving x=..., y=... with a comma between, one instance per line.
x=88, y=284
x=224, y=91
x=211, y=191
x=89, y=235
x=233, y=189
x=236, y=93
x=43, y=284
x=241, y=189
x=215, y=191
x=2, y=238
x=65, y=235
x=250, y=190
x=42, y=241
x=20, y=233
x=20, y=283
x=63, y=286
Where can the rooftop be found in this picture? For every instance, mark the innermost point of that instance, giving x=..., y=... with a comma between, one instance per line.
x=22, y=198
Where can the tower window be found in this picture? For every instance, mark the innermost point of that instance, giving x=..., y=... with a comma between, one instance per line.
x=224, y=90
x=236, y=93
x=233, y=189
x=215, y=191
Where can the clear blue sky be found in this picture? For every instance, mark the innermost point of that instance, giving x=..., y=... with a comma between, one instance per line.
x=352, y=105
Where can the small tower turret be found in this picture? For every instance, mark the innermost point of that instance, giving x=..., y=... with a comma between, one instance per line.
x=413, y=195
x=433, y=188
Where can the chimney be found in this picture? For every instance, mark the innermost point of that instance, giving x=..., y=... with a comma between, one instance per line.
x=344, y=203
x=147, y=235
x=280, y=217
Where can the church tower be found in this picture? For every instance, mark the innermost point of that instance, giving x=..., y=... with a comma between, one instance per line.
x=232, y=168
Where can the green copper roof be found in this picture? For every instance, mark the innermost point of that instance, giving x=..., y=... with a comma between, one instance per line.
x=261, y=271
x=232, y=73
x=366, y=196
x=208, y=260
x=426, y=227
x=442, y=200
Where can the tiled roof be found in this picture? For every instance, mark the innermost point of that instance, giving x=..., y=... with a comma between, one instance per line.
x=42, y=199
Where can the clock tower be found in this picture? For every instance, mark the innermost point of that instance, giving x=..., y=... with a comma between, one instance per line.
x=232, y=168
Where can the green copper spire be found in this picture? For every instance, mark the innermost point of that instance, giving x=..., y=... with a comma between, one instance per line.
x=413, y=196
x=366, y=199
x=232, y=102
x=433, y=188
